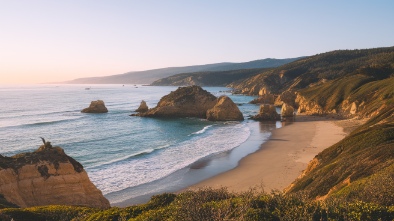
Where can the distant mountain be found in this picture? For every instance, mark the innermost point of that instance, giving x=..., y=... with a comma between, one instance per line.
x=149, y=76
x=209, y=78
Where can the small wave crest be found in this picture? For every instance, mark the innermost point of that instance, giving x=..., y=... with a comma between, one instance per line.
x=129, y=157
x=202, y=130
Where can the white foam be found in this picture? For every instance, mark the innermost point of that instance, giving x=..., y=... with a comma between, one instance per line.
x=151, y=167
x=202, y=130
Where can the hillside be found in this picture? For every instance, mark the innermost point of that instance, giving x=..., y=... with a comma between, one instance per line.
x=210, y=78
x=360, y=167
x=347, y=82
x=148, y=76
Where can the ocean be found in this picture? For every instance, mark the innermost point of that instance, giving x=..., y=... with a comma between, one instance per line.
x=123, y=155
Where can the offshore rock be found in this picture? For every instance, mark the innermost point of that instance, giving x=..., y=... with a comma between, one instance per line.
x=224, y=110
x=96, y=107
x=287, y=110
x=143, y=107
x=191, y=101
x=47, y=177
x=267, y=113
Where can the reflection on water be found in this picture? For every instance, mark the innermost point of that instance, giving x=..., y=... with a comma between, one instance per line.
x=287, y=121
x=267, y=126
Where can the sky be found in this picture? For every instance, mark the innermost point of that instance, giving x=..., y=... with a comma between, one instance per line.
x=53, y=41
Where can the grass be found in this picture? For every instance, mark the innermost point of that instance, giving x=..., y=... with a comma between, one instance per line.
x=219, y=204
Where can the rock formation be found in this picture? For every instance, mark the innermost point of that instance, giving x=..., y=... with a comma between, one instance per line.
x=190, y=101
x=46, y=177
x=96, y=107
x=267, y=113
x=287, y=97
x=225, y=109
x=308, y=107
x=264, y=99
x=143, y=107
x=287, y=110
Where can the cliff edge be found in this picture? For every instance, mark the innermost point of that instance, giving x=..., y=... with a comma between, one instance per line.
x=47, y=176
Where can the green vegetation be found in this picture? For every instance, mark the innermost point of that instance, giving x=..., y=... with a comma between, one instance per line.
x=376, y=64
x=209, y=204
x=212, y=78
x=360, y=167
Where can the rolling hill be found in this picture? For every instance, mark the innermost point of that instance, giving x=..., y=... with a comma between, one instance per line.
x=149, y=76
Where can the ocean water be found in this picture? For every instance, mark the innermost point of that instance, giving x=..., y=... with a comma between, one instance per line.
x=118, y=151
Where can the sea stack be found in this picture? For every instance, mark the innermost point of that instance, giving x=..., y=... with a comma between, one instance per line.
x=96, y=107
x=47, y=176
x=143, y=107
x=267, y=113
x=224, y=110
x=192, y=101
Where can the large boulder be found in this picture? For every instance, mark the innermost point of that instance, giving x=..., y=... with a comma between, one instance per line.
x=143, y=107
x=287, y=110
x=47, y=177
x=192, y=101
x=224, y=110
x=96, y=107
x=267, y=113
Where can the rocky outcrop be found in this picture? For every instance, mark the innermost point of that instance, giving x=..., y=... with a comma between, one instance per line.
x=287, y=97
x=308, y=107
x=190, y=101
x=143, y=107
x=96, y=107
x=267, y=113
x=264, y=99
x=224, y=110
x=46, y=177
x=287, y=110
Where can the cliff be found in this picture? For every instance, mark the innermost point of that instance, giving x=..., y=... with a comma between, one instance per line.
x=45, y=177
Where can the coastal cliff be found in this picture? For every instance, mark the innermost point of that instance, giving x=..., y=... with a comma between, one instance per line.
x=344, y=83
x=47, y=176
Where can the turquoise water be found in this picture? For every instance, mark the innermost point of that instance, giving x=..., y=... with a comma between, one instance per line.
x=118, y=151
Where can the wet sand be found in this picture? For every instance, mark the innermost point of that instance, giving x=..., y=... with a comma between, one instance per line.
x=282, y=158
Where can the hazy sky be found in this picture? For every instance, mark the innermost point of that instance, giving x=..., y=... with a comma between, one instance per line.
x=48, y=40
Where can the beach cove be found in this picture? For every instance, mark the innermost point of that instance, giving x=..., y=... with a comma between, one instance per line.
x=282, y=158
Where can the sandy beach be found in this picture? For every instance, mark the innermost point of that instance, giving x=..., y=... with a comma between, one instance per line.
x=281, y=159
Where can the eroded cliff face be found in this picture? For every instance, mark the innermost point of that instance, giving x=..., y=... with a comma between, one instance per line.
x=308, y=107
x=46, y=177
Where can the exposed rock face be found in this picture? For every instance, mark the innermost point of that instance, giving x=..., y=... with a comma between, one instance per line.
x=96, y=107
x=267, y=113
x=308, y=107
x=264, y=99
x=143, y=107
x=190, y=101
x=225, y=109
x=287, y=97
x=45, y=177
x=287, y=110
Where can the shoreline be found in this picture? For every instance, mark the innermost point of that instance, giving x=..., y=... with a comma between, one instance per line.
x=281, y=159
x=198, y=171
x=274, y=155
